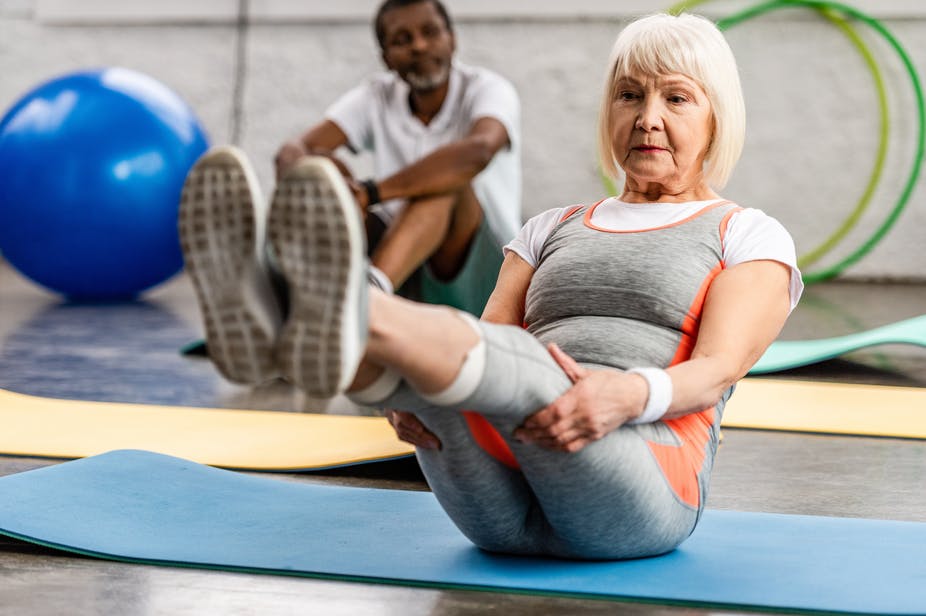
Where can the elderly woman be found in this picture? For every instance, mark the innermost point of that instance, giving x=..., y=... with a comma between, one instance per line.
x=579, y=418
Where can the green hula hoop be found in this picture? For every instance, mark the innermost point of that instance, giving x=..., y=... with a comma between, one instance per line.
x=907, y=191
x=884, y=132
x=910, y=183
x=880, y=156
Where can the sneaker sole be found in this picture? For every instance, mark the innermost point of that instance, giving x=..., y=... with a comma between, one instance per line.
x=218, y=234
x=318, y=241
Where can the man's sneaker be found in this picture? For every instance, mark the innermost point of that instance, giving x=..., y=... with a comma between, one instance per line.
x=318, y=242
x=222, y=233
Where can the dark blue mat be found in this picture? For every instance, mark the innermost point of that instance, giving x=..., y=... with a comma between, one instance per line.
x=144, y=507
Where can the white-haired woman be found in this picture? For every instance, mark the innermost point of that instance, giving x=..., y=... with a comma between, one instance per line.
x=579, y=418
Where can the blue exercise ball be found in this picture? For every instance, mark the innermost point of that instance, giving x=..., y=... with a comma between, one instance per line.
x=92, y=165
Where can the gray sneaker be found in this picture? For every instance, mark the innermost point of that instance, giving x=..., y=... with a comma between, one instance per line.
x=319, y=243
x=222, y=235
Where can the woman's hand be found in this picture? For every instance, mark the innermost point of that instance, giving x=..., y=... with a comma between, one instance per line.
x=410, y=429
x=599, y=402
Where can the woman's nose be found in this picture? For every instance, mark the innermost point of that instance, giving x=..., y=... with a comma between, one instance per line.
x=650, y=116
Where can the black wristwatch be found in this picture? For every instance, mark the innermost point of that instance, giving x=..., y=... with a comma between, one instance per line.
x=372, y=191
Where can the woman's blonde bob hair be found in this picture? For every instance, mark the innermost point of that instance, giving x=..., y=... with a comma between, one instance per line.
x=689, y=45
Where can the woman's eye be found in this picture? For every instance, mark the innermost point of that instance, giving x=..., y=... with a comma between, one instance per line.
x=626, y=96
x=677, y=98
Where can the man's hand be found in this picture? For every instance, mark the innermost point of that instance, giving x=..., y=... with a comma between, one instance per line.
x=287, y=155
x=599, y=402
x=292, y=151
x=410, y=429
x=360, y=194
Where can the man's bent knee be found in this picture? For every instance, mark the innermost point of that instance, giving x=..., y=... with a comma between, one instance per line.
x=466, y=218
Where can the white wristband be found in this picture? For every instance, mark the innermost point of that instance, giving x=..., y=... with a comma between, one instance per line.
x=660, y=394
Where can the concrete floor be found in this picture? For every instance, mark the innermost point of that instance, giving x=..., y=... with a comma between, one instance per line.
x=128, y=352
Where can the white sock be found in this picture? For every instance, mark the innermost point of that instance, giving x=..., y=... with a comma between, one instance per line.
x=470, y=374
x=378, y=390
x=380, y=280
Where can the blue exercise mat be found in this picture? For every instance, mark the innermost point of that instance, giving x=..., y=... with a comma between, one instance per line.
x=144, y=507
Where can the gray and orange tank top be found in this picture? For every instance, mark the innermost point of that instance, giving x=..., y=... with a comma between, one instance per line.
x=623, y=299
x=626, y=298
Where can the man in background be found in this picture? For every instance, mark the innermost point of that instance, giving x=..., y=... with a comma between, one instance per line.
x=445, y=140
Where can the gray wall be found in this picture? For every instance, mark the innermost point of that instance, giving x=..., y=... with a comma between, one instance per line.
x=812, y=129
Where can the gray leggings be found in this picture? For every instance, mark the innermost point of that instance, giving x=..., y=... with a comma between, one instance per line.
x=609, y=500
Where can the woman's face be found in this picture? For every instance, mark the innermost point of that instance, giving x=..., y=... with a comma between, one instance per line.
x=661, y=128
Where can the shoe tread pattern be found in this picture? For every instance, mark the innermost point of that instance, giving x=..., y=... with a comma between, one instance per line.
x=217, y=234
x=310, y=238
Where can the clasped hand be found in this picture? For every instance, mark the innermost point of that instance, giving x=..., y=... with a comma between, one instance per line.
x=291, y=151
x=599, y=402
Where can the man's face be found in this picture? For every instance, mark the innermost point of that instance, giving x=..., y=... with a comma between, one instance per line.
x=418, y=46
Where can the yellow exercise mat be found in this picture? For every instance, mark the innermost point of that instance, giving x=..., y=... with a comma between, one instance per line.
x=834, y=408
x=274, y=441
x=246, y=440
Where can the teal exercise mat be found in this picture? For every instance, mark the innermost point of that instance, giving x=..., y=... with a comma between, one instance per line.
x=138, y=506
x=787, y=354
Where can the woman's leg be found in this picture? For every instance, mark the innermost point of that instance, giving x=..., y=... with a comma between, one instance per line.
x=491, y=503
x=612, y=499
x=609, y=500
x=318, y=242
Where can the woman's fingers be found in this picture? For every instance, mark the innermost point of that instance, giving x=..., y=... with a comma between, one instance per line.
x=550, y=422
x=569, y=440
x=554, y=413
x=410, y=429
x=570, y=422
x=570, y=366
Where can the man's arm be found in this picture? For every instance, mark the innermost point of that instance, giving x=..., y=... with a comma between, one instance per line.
x=326, y=136
x=449, y=167
x=321, y=140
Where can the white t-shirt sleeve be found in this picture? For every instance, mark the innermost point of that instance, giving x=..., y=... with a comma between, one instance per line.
x=351, y=113
x=753, y=235
x=491, y=96
x=529, y=241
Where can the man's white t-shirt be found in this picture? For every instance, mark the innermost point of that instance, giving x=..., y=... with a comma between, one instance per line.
x=376, y=116
x=751, y=234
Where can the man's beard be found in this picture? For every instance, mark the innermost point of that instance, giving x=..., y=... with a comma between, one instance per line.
x=428, y=83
